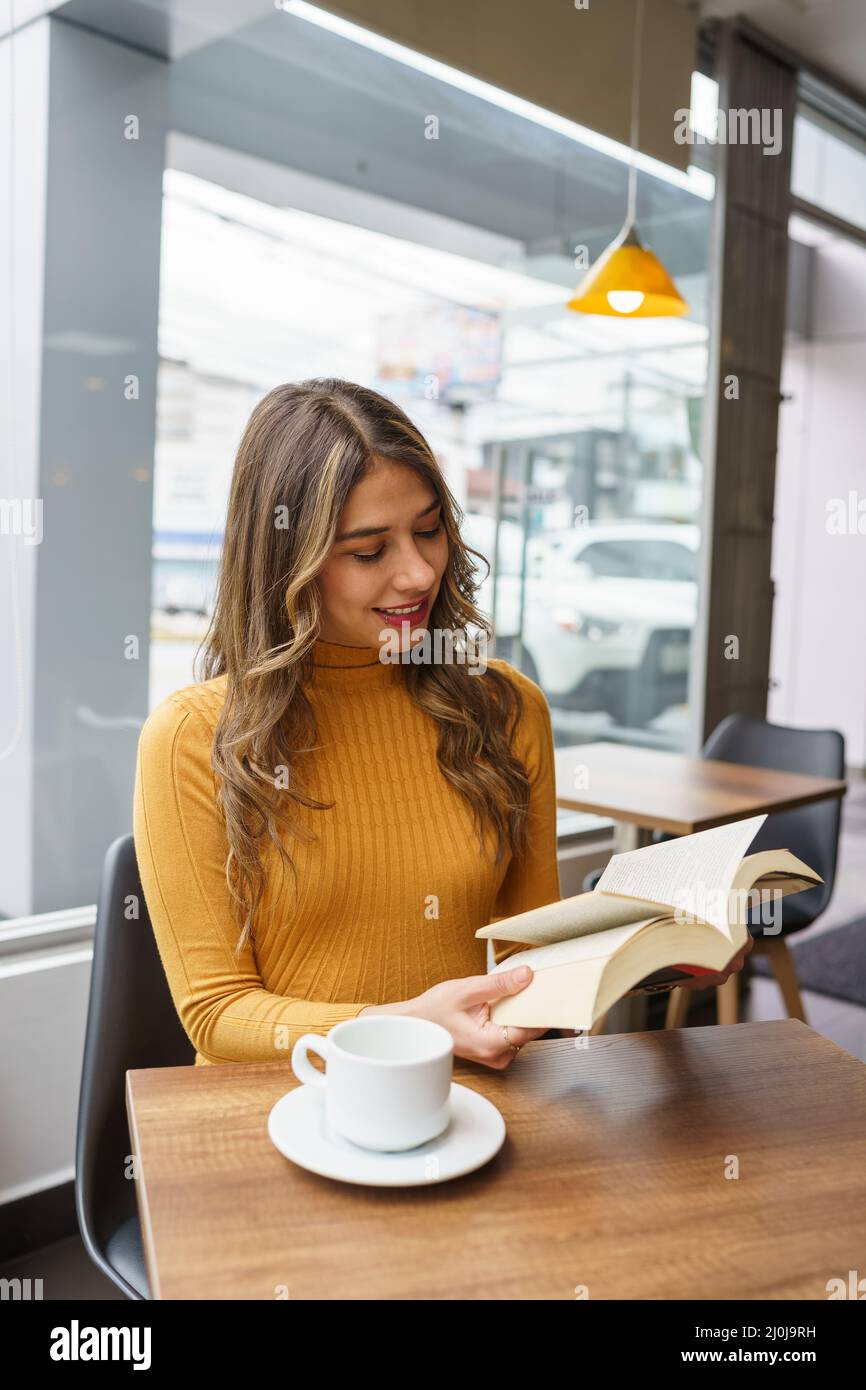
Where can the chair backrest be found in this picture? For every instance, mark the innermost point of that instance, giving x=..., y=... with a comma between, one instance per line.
x=809, y=832
x=131, y=1023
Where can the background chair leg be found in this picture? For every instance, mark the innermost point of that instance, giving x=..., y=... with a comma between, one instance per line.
x=678, y=1008
x=727, y=1001
x=784, y=972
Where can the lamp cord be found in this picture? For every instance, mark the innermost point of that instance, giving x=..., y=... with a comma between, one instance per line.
x=635, y=112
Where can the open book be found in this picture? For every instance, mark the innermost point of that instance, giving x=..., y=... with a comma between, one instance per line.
x=656, y=917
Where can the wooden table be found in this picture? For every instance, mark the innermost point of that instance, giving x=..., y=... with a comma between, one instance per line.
x=612, y=1177
x=645, y=789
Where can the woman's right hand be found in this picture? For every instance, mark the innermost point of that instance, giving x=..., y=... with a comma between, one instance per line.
x=463, y=1007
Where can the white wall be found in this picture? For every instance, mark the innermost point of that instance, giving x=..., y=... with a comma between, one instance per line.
x=43, y=1006
x=818, y=652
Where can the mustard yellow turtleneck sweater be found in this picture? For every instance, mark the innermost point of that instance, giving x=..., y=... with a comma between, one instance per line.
x=388, y=897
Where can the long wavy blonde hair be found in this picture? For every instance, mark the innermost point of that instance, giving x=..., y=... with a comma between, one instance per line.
x=304, y=448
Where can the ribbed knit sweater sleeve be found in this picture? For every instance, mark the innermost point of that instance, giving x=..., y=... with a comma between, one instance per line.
x=180, y=846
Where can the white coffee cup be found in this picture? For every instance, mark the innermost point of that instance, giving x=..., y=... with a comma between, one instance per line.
x=387, y=1081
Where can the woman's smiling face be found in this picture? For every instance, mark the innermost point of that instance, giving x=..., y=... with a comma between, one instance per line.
x=397, y=563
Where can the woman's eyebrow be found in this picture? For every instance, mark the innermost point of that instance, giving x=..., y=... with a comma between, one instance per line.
x=378, y=530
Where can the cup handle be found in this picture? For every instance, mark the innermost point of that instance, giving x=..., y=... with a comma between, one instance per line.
x=301, y=1064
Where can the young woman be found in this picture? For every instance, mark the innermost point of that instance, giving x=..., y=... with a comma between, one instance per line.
x=320, y=831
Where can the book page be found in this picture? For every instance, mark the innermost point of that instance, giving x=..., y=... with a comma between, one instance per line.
x=585, y=914
x=764, y=879
x=693, y=874
x=578, y=948
x=776, y=868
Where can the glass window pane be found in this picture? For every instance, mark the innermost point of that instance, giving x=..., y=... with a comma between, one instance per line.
x=439, y=273
x=828, y=166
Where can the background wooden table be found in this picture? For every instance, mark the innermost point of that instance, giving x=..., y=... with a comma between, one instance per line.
x=654, y=790
x=612, y=1176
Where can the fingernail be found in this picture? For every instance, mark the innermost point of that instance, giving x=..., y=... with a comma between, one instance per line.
x=522, y=973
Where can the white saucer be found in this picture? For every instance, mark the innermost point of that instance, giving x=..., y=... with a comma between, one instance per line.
x=475, y=1132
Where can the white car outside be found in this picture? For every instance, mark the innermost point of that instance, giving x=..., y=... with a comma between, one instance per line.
x=608, y=609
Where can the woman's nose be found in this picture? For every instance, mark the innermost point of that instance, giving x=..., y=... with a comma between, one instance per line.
x=413, y=573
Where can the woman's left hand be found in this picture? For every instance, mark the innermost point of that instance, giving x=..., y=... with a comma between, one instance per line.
x=713, y=981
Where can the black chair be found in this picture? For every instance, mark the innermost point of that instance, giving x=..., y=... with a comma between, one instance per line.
x=809, y=832
x=131, y=1023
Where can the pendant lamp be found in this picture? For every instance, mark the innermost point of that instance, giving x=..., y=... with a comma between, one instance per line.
x=627, y=280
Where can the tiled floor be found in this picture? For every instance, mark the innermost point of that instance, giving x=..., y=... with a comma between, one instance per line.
x=68, y=1273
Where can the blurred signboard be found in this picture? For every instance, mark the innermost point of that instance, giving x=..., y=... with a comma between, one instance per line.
x=446, y=352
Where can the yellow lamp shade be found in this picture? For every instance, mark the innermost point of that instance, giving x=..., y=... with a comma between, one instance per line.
x=628, y=281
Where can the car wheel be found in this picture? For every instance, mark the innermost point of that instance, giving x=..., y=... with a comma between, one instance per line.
x=629, y=709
